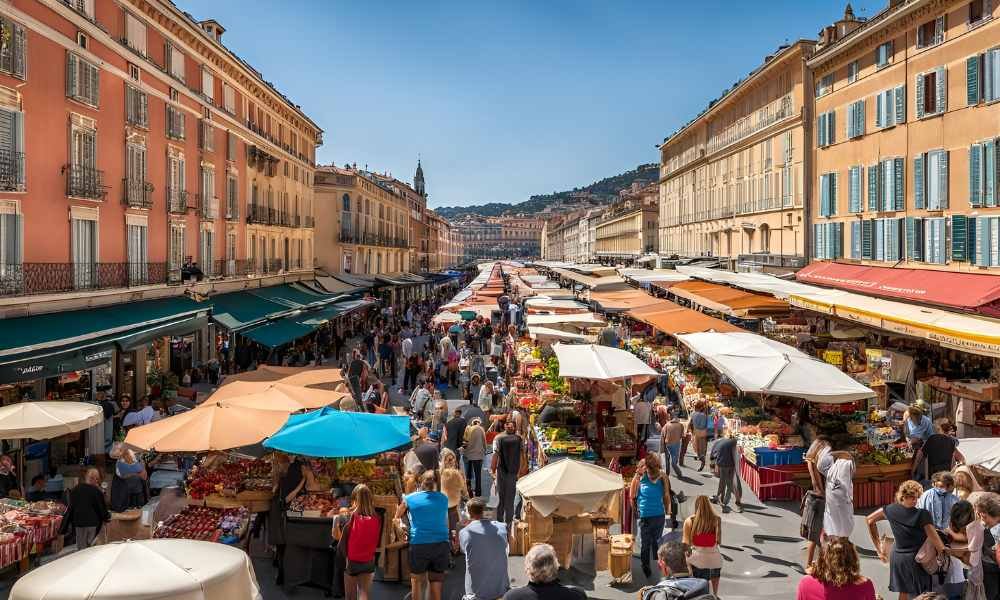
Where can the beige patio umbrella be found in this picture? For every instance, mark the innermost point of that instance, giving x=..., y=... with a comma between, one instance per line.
x=321, y=377
x=213, y=426
x=47, y=419
x=144, y=570
x=274, y=395
x=569, y=487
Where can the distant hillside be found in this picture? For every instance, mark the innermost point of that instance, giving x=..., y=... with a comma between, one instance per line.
x=596, y=194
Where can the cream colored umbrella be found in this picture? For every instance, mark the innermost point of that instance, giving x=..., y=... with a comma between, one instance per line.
x=144, y=570
x=213, y=426
x=274, y=395
x=322, y=377
x=569, y=488
x=47, y=419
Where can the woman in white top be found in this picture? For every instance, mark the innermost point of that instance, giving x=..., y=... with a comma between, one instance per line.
x=486, y=397
x=838, y=510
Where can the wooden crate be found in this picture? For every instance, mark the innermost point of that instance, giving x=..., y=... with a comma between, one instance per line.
x=620, y=563
x=519, y=541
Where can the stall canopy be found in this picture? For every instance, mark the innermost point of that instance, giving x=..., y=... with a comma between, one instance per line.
x=984, y=452
x=757, y=282
x=547, y=304
x=45, y=345
x=672, y=319
x=579, y=319
x=971, y=292
x=647, y=276
x=290, y=328
x=622, y=300
x=213, y=426
x=549, y=335
x=319, y=377
x=727, y=300
x=331, y=433
x=273, y=396
x=610, y=282
x=569, y=488
x=144, y=570
x=336, y=286
x=47, y=419
x=599, y=362
x=756, y=364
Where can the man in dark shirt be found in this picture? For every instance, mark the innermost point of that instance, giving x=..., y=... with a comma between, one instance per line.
x=724, y=459
x=454, y=431
x=355, y=372
x=427, y=453
x=939, y=450
x=542, y=569
x=504, y=468
x=87, y=511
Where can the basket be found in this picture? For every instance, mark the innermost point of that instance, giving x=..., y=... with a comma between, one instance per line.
x=621, y=555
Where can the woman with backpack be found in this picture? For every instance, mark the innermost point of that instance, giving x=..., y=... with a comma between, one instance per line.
x=911, y=527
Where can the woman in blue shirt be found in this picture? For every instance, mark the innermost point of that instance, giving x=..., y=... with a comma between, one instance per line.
x=650, y=488
x=917, y=427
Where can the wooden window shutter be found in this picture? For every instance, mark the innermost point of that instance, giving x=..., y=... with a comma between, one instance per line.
x=19, y=51
x=918, y=181
x=972, y=80
x=920, y=95
x=942, y=191
x=940, y=90
x=975, y=175
x=71, y=75
x=959, y=229
x=900, y=100
x=939, y=29
x=900, y=199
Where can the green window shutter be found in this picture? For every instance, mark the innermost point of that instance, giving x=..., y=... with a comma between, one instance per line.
x=940, y=90
x=879, y=110
x=900, y=98
x=920, y=96
x=972, y=80
x=975, y=175
x=942, y=192
x=824, y=196
x=898, y=186
x=873, y=187
x=958, y=237
x=831, y=119
x=856, y=239
x=838, y=239
x=817, y=240
x=71, y=74
x=867, y=233
x=918, y=182
x=854, y=190
x=859, y=116
x=989, y=173
x=833, y=193
x=970, y=240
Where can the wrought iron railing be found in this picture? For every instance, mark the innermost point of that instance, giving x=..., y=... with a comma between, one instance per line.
x=260, y=215
x=233, y=267
x=137, y=193
x=11, y=171
x=51, y=278
x=85, y=182
x=177, y=201
x=208, y=207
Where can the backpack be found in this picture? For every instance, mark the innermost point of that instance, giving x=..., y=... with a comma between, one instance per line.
x=656, y=592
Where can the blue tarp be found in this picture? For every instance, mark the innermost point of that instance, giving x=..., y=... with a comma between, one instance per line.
x=330, y=433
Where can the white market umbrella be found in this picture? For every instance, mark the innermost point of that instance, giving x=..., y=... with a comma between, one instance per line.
x=569, y=488
x=47, y=419
x=756, y=364
x=446, y=317
x=984, y=452
x=547, y=334
x=599, y=362
x=144, y=570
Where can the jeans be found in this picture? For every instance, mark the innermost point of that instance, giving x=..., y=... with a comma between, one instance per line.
x=673, y=454
x=409, y=379
x=474, y=469
x=650, y=530
x=506, y=490
x=85, y=537
x=729, y=484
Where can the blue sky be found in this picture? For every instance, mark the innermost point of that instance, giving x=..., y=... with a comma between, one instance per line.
x=503, y=100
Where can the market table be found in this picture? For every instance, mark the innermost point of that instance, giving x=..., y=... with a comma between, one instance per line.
x=874, y=485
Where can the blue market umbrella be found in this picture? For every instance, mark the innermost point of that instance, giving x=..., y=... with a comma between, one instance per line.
x=331, y=433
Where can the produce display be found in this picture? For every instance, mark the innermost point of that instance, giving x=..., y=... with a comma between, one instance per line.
x=206, y=524
x=320, y=504
x=229, y=478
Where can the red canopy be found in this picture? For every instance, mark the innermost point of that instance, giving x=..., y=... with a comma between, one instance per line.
x=965, y=291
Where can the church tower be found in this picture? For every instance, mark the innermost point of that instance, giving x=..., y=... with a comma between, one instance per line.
x=418, y=180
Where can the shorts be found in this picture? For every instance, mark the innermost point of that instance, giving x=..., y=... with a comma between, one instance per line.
x=364, y=568
x=706, y=574
x=434, y=557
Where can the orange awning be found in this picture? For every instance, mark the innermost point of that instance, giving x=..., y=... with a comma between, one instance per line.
x=623, y=299
x=727, y=300
x=672, y=319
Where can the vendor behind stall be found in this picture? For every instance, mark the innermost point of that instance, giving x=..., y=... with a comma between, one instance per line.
x=291, y=481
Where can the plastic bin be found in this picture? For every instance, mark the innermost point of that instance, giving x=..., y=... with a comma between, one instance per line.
x=766, y=457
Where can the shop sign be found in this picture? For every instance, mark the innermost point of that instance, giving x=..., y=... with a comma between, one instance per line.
x=102, y=356
x=973, y=346
x=810, y=305
x=857, y=317
x=834, y=357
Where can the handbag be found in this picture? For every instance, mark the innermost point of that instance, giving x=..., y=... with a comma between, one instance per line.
x=345, y=537
x=887, y=543
x=933, y=562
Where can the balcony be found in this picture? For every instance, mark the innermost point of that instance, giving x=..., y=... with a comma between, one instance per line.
x=11, y=171
x=137, y=193
x=208, y=207
x=85, y=182
x=177, y=201
x=370, y=239
x=232, y=210
x=53, y=278
x=260, y=215
x=233, y=268
x=308, y=221
x=758, y=261
x=759, y=205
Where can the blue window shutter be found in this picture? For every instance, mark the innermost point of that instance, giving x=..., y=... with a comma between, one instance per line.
x=920, y=96
x=859, y=116
x=821, y=130
x=970, y=239
x=918, y=182
x=900, y=96
x=838, y=240
x=831, y=127
x=867, y=233
x=856, y=239
x=989, y=173
x=900, y=199
x=941, y=90
x=873, y=187
x=972, y=80
x=982, y=241
x=824, y=195
x=854, y=191
x=942, y=179
x=958, y=237
x=975, y=175
x=818, y=240
x=849, y=122
x=879, y=109
x=833, y=193
x=911, y=248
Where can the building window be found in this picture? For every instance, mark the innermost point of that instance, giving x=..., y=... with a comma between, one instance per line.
x=176, y=194
x=930, y=180
x=883, y=55
x=231, y=253
x=932, y=90
x=926, y=239
x=856, y=119
x=135, y=33
x=828, y=194
x=890, y=107
x=931, y=33
x=983, y=174
x=209, y=206
x=11, y=150
x=854, y=189
x=174, y=61
x=232, y=198
x=825, y=85
x=207, y=84
x=13, y=50
x=206, y=136
x=983, y=241
x=885, y=185
x=228, y=98
x=137, y=194
x=852, y=71
x=84, y=179
x=82, y=80
x=979, y=11
x=136, y=107
x=206, y=252
x=982, y=72
x=137, y=252
x=11, y=247
x=888, y=239
x=175, y=123
x=825, y=124
x=828, y=240
x=83, y=234
x=84, y=7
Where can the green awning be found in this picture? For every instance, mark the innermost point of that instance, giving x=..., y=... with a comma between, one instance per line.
x=46, y=345
x=237, y=310
x=298, y=325
x=336, y=286
x=292, y=296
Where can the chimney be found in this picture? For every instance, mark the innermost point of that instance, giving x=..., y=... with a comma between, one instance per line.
x=212, y=28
